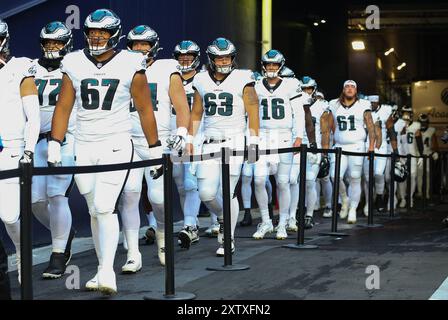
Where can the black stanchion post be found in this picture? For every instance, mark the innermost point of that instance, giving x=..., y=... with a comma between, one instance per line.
x=392, y=214
x=225, y=178
x=302, y=187
x=408, y=183
x=430, y=186
x=424, y=184
x=442, y=178
x=370, y=223
x=170, y=292
x=26, y=243
x=334, y=218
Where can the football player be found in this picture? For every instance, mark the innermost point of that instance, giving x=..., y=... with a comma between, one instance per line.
x=187, y=54
x=323, y=177
x=306, y=101
x=382, y=117
x=398, y=128
x=167, y=92
x=413, y=145
x=102, y=81
x=320, y=115
x=223, y=96
x=281, y=110
x=430, y=147
x=50, y=193
x=19, y=130
x=349, y=117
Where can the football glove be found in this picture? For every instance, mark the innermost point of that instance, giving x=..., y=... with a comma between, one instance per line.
x=54, y=153
x=156, y=152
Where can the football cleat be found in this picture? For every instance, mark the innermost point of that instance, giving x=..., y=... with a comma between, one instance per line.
x=187, y=236
x=220, y=251
x=262, y=229
x=92, y=284
x=160, y=236
x=150, y=235
x=107, y=283
x=56, y=267
x=292, y=225
x=133, y=264
x=344, y=208
x=281, y=232
x=327, y=213
x=309, y=222
x=351, y=216
x=213, y=230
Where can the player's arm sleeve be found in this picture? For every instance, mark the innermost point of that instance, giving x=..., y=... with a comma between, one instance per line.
x=299, y=115
x=30, y=103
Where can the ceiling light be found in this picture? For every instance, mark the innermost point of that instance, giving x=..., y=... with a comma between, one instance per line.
x=358, y=45
x=316, y=24
x=389, y=51
x=323, y=21
x=401, y=66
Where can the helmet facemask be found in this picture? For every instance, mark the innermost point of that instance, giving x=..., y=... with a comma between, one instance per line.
x=111, y=43
x=271, y=74
x=57, y=53
x=226, y=69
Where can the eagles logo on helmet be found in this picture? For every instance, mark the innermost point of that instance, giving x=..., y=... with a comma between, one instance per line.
x=56, y=31
x=144, y=33
x=221, y=47
x=102, y=19
x=187, y=47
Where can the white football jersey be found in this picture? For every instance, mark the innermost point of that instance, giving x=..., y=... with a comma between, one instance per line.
x=411, y=143
x=382, y=114
x=399, y=125
x=159, y=76
x=12, y=114
x=318, y=108
x=48, y=83
x=224, y=112
x=349, y=122
x=427, y=140
x=103, y=92
x=189, y=92
x=275, y=107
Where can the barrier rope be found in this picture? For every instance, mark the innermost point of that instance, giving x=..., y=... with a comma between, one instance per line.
x=43, y=171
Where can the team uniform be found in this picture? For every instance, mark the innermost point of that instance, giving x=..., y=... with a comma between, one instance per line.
x=19, y=131
x=224, y=125
x=399, y=126
x=380, y=116
x=318, y=109
x=186, y=182
x=427, y=136
x=103, y=136
x=350, y=135
x=50, y=193
x=158, y=75
x=279, y=111
x=410, y=147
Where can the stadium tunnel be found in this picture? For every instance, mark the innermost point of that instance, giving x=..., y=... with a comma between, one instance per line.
x=316, y=37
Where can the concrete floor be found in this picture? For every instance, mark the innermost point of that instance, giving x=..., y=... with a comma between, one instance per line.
x=411, y=254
